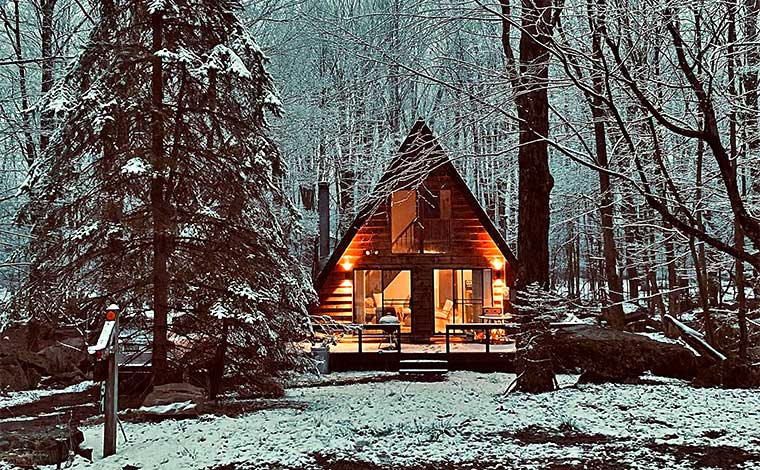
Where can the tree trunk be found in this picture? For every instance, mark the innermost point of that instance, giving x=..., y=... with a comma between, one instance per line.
x=535, y=179
x=702, y=288
x=47, y=9
x=29, y=150
x=741, y=302
x=670, y=261
x=614, y=310
x=160, y=213
x=535, y=367
x=216, y=370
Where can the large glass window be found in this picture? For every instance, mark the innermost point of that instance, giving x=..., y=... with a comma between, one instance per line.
x=379, y=293
x=460, y=295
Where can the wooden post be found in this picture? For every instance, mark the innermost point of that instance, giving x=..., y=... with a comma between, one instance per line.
x=448, y=347
x=398, y=339
x=112, y=388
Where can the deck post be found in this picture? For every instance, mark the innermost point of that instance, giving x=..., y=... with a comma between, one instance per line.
x=448, y=349
x=488, y=340
x=398, y=339
x=360, y=339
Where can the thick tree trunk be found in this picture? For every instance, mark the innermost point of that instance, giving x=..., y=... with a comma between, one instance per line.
x=535, y=367
x=535, y=179
x=160, y=213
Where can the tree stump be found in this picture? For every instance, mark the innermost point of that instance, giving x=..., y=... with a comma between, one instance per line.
x=535, y=366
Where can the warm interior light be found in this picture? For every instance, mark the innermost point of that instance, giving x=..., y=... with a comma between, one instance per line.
x=498, y=283
x=497, y=264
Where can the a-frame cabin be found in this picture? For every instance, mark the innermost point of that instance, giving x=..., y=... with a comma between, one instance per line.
x=422, y=250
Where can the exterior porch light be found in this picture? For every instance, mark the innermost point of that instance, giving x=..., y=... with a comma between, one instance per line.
x=497, y=264
x=346, y=264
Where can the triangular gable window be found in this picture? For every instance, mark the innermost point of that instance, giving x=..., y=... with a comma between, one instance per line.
x=420, y=223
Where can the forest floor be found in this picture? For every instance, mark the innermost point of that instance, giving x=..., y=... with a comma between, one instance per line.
x=377, y=422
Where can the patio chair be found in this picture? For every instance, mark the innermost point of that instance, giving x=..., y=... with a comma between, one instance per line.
x=443, y=316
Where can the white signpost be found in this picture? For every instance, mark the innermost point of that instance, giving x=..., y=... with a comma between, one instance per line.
x=106, y=349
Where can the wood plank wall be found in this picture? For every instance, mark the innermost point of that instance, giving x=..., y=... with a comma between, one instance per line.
x=471, y=247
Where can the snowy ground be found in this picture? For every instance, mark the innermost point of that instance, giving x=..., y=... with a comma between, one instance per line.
x=463, y=422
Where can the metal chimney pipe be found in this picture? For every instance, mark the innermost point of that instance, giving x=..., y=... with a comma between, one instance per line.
x=323, y=207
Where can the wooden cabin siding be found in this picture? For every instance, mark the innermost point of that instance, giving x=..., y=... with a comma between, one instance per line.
x=471, y=247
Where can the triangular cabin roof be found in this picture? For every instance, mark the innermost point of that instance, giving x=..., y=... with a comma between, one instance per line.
x=418, y=156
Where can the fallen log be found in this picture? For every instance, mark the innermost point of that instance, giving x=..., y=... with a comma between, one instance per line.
x=619, y=356
x=696, y=340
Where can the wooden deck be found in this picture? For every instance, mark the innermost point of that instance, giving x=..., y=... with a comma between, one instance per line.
x=382, y=355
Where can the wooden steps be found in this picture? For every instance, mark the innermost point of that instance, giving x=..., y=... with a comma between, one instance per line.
x=427, y=367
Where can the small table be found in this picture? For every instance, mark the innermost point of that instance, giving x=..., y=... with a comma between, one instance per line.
x=486, y=327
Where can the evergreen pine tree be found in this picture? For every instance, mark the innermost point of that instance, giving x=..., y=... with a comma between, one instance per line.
x=161, y=190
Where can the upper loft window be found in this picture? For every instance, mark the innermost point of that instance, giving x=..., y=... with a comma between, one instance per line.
x=404, y=222
x=420, y=222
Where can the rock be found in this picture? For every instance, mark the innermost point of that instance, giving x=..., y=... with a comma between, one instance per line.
x=31, y=360
x=619, y=355
x=48, y=447
x=64, y=356
x=13, y=377
x=174, y=393
x=731, y=373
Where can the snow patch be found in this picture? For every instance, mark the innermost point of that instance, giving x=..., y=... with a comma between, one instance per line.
x=84, y=232
x=171, y=408
x=226, y=61
x=659, y=336
x=135, y=166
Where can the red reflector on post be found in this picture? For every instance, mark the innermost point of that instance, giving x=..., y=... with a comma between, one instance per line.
x=110, y=315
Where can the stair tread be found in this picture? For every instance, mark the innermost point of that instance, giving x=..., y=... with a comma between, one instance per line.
x=423, y=371
x=423, y=361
